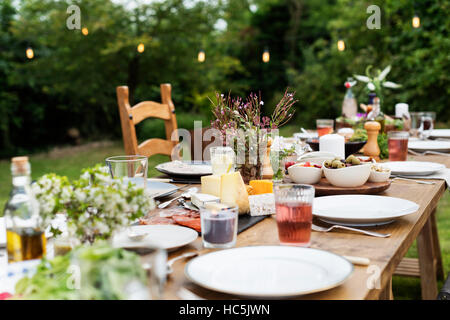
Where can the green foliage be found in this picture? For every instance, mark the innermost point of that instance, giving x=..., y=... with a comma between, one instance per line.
x=71, y=81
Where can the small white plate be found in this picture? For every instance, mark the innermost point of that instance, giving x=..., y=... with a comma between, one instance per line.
x=413, y=168
x=157, y=189
x=169, y=237
x=269, y=271
x=362, y=210
x=429, y=145
x=439, y=133
x=185, y=168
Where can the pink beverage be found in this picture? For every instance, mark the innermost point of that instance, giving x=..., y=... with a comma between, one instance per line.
x=324, y=126
x=294, y=223
x=398, y=145
x=321, y=131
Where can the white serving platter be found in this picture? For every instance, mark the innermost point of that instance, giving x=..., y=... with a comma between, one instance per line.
x=413, y=168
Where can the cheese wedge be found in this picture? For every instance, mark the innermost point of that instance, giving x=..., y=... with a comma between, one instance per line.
x=234, y=191
x=211, y=185
x=261, y=186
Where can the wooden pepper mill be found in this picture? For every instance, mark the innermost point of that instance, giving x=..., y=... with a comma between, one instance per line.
x=371, y=148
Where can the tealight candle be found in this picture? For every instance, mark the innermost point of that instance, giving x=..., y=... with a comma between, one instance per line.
x=219, y=227
x=333, y=143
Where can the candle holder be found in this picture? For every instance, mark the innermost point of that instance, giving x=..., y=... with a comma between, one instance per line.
x=219, y=227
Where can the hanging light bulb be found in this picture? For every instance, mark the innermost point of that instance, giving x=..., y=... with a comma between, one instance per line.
x=416, y=21
x=30, y=53
x=201, y=56
x=266, y=56
x=341, y=45
x=140, y=48
x=85, y=31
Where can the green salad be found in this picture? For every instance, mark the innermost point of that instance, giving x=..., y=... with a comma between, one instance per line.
x=104, y=273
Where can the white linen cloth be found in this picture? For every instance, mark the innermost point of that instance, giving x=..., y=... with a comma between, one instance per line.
x=443, y=174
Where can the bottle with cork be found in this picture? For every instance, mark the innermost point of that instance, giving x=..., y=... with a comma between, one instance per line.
x=25, y=238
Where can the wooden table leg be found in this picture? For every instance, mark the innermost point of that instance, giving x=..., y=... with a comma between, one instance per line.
x=427, y=262
x=386, y=293
x=436, y=247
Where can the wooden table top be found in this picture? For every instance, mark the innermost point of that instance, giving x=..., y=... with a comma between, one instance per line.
x=384, y=253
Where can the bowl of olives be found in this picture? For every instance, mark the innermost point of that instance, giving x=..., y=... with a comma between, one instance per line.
x=347, y=173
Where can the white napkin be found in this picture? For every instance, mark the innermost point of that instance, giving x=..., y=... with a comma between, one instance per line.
x=443, y=174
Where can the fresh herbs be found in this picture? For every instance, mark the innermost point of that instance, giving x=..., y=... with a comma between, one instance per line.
x=103, y=273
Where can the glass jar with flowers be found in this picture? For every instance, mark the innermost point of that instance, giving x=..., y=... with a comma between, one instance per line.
x=243, y=127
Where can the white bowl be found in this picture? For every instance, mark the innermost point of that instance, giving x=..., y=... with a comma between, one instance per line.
x=376, y=176
x=306, y=175
x=348, y=177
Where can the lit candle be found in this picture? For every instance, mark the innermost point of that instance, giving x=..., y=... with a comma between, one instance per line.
x=333, y=143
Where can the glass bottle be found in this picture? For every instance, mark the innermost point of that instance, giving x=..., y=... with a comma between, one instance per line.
x=25, y=239
x=349, y=105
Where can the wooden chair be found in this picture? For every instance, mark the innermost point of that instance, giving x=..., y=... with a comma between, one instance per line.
x=130, y=116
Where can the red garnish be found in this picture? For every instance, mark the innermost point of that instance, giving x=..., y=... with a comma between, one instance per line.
x=288, y=164
x=318, y=166
x=5, y=295
x=347, y=85
x=307, y=164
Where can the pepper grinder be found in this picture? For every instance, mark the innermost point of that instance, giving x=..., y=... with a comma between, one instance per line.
x=371, y=148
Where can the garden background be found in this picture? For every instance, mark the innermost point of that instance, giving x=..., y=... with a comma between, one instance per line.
x=65, y=94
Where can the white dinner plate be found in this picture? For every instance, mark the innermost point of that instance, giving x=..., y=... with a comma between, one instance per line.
x=185, y=168
x=362, y=210
x=157, y=189
x=169, y=237
x=413, y=168
x=439, y=133
x=429, y=145
x=269, y=271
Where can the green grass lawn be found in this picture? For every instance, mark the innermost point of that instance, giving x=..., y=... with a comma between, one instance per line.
x=70, y=161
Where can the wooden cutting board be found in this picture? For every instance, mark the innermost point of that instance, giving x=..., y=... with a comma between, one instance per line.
x=324, y=188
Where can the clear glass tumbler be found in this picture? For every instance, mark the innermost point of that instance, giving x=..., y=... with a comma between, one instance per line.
x=222, y=160
x=130, y=168
x=219, y=227
x=293, y=204
x=324, y=126
x=398, y=145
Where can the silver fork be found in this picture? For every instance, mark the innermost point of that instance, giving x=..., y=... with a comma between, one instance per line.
x=369, y=233
x=428, y=152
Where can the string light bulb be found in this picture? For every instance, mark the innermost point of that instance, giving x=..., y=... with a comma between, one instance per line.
x=201, y=56
x=266, y=56
x=30, y=53
x=85, y=31
x=416, y=21
x=341, y=45
x=140, y=48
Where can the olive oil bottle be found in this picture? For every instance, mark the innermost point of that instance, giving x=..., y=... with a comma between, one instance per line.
x=25, y=240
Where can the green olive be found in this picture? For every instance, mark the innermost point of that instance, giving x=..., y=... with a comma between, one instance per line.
x=336, y=163
x=328, y=163
x=356, y=161
x=350, y=159
x=341, y=165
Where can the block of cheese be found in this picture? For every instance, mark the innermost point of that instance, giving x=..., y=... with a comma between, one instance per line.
x=261, y=186
x=211, y=185
x=262, y=204
x=214, y=206
x=201, y=199
x=234, y=192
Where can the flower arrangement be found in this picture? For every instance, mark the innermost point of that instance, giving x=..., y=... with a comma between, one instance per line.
x=94, y=205
x=241, y=119
x=378, y=81
x=236, y=113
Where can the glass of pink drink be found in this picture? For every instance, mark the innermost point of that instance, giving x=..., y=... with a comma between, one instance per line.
x=398, y=145
x=293, y=203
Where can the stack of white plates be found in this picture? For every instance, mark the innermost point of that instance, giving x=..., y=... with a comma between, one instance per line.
x=413, y=168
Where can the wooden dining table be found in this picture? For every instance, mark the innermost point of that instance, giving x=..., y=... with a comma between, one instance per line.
x=387, y=255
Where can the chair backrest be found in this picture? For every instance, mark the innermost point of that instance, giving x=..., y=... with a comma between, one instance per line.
x=130, y=116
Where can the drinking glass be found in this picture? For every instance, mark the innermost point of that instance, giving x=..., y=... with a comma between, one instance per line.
x=130, y=168
x=219, y=227
x=293, y=205
x=222, y=160
x=415, y=123
x=398, y=145
x=427, y=120
x=324, y=126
